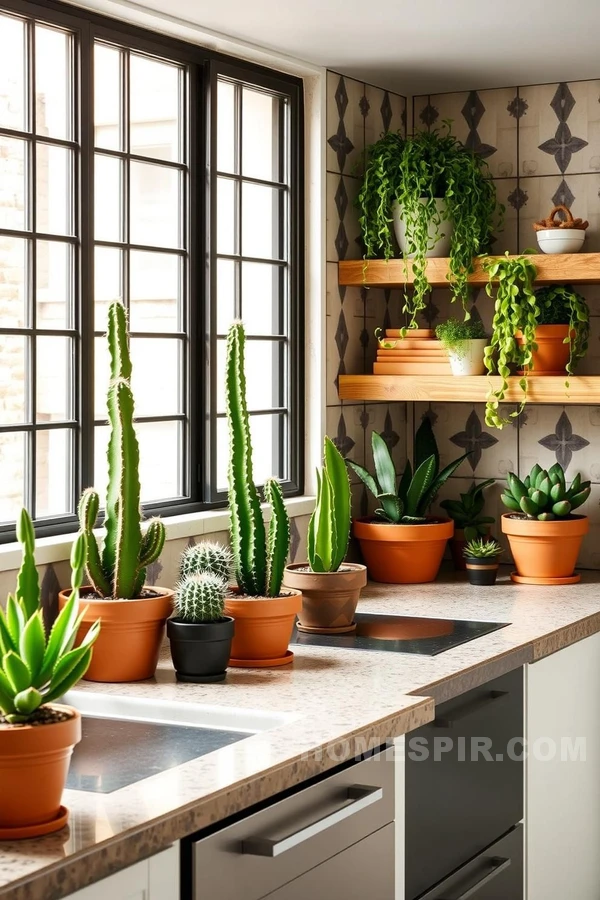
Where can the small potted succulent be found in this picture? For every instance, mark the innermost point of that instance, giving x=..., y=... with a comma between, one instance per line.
x=544, y=534
x=465, y=343
x=482, y=560
x=264, y=614
x=469, y=523
x=199, y=632
x=401, y=544
x=330, y=587
x=133, y=615
x=37, y=735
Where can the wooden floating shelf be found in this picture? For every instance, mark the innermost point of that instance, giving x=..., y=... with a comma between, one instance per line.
x=583, y=389
x=576, y=268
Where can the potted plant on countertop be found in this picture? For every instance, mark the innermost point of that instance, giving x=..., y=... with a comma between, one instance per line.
x=465, y=343
x=330, y=587
x=37, y=735
x=482, y=561
x=264, y=615
x=469, y=523
x=441, y=199
x=544, y=535
x=199, y=632
x=401, y=544
x=133, y=615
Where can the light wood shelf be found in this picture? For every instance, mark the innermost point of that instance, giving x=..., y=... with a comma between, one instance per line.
x=575, y=268
x=584, y=389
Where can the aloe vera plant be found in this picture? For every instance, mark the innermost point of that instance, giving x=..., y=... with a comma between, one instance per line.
x=409, y=502
x=259, y=557
x=544, y=495
x=119, y=572
x=482, y=548
x=36, y=668
x=329, y=526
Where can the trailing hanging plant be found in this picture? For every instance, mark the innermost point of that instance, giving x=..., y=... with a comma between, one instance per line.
x=454, y=334
x=415, y=172
x=559, y=304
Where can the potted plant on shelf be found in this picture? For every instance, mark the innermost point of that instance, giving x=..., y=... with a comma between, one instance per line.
x=330, y=587
x=264, y=615
x=199, y=632
x=133, y=615
x=469, y=523
x=37, y=735
x=544, y=535
x=482, y=561
x=465, y=343
x=562, y=330
x=441, y=198
x=401, y=544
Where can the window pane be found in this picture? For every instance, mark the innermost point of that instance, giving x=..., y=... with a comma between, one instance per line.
x=12, y=73
x=54, y=379
x=226, y=277
x=264, y=374
x=54, y=182
x=227, y=136
x=226, y=216
x=13, y=375
x=12, y=483
x=266, y=433
x=107, y=283
x=12, y=183
x=261, y=298
x=154, y=291
x=107, y=97
x=154, y=108
x=53, y=78
x=261, y=222
x=101, y=436
x=161, y=460
x=54, y=284
x=260, y=135
x=101, y=377
x=54, y=472
x=155, y=205
x=13, y=282
x=156, y=378
x=108, y=198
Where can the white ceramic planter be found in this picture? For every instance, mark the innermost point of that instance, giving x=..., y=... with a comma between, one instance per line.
x=438, y=248
x=560, y=240
x=469, y=362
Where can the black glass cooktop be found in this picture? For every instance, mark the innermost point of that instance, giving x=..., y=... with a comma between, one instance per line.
x=402, y=634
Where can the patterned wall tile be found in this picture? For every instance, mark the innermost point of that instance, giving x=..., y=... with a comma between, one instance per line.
x=508, y=193
x=388, y=420
x=569, y=435
x=299, y=529
x=346, y=428
x=345, y=124
x=343, y=231
x=384, y=111
x=581, y=193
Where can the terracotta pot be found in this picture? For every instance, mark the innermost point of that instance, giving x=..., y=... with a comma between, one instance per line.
x=552, y=354
x=403, y=554
x=545, y=549
x=263, y=627
x=34, y=763
x=329, y=599
x=132, y=631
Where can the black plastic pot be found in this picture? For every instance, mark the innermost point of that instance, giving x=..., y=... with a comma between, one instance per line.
x=482, y=571
x=200, y=650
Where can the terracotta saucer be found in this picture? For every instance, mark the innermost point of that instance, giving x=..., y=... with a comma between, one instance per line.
x=529, y=579
x=343, y=629
x=31, y=831
x=262, y=663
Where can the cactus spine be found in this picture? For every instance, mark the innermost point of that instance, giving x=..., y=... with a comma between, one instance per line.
x=258, y=564
x=207, y=557
x=121, y=569
x=200, y=598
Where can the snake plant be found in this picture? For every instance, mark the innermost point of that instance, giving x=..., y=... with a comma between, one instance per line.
x=466, y=513
x=259, y=558
x=544, y=495
x=329, y=526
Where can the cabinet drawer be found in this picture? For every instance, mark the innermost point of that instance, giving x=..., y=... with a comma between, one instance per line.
x=496, y=874
x=253, y=857
x=457, y=800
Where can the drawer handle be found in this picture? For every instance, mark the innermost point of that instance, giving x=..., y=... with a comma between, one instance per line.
x=361, y=795
x=500, y=865
x=468, y=709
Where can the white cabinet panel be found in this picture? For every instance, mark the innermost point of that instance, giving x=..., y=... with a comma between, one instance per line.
x=156, y=878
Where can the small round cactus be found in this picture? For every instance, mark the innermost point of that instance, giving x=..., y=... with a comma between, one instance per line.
x=200, y=598
x=207, y=557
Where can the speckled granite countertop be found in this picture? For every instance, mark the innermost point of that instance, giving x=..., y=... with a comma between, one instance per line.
x=342, y=699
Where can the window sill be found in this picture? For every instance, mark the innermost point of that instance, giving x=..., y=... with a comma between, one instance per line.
x=58, y=548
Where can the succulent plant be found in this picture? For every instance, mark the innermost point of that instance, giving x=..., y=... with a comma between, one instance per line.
x=207, y=557
x=200, y=598
x=259, y=558
x=36, y=668
x=481, y=548
x=329, y=526
x=466, y=512
x=121, y=569
x=544, y=495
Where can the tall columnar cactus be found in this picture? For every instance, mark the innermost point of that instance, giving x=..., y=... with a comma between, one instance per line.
x=200, y=598
x=259, y=562
x=329, y=526
x=120, y=570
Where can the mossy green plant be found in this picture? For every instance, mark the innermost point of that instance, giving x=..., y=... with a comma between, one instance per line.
x=455, y=334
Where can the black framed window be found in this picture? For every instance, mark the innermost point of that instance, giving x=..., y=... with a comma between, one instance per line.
x=140, y=167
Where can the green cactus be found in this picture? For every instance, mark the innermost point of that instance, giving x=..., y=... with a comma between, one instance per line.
x=258, y=563
x=121, y=569
x=200, y=598
x=544, y=495
x=207, y=557
x=329, y=526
